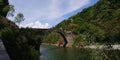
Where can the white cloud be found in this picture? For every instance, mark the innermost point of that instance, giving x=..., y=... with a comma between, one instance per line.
x=57, y=8
x=46, y=10
x=36, y=24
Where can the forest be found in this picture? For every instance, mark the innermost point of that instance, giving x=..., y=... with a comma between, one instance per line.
x=99, y=23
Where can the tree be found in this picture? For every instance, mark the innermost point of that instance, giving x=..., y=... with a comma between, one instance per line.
x=1, y=1
x=19, y=18
x=4, y=7
x=11, y=11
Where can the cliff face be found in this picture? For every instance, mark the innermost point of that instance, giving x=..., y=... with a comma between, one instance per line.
x=99, y=22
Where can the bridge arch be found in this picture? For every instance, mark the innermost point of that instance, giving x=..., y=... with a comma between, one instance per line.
x=63, y=35
x=47, y=31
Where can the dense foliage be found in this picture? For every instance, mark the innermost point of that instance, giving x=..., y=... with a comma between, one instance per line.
x=20, y=44
x=52, y=37
x=98, y=23
x=4, y=7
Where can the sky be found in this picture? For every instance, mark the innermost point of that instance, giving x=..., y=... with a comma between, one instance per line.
x=47, y=13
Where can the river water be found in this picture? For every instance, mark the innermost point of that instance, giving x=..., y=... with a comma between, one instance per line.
x=56, y=53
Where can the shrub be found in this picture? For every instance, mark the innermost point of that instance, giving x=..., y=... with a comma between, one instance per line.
x=17, y=45
x=52, y=37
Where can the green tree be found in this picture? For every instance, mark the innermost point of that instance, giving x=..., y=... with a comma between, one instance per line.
x=1, y=1
x=4, y=7
x=11, y=11
x=52, y=37
x=19, y=18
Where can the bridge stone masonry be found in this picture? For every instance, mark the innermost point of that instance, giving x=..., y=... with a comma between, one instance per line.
x=70, y=36
x=67, y=36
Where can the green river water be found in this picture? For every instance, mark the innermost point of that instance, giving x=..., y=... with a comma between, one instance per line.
x=56, y=53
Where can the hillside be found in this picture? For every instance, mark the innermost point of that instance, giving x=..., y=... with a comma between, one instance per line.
x=4, y=22
x=98, y=23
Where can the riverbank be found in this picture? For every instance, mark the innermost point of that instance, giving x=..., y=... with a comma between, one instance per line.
x=49, y=52
x=106, y=47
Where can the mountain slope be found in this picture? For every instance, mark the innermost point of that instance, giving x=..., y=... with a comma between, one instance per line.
x=98, y=23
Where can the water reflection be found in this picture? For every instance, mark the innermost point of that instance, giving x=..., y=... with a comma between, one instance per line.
x=55, y=53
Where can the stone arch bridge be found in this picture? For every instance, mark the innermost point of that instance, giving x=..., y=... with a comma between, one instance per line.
x=47, y=31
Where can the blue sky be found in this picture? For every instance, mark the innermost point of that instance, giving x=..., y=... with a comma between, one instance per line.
x=47, y=13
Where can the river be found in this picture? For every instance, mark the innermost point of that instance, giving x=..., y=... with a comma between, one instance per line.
x=56, y=53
